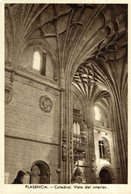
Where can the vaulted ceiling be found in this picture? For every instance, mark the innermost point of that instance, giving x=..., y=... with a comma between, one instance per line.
x=73, y=35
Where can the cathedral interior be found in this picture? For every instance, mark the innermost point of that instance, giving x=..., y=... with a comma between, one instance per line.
x=66, y=93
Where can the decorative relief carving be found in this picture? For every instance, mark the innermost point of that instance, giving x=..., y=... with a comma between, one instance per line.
x=83, y=133
x=47, y=89
x=8, y=94
x=71, y=148
x=64, y=148
x=107, y=150
x=79, y=141
x=78, y=177
x=45, y=103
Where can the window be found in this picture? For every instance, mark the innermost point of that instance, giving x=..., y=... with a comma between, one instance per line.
x=39, y=62
x=104, y=149
x=76, y=129
x=101, y=150
x=97, y=113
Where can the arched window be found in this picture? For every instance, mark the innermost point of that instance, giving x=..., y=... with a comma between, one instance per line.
x=101, y=150
x=39, y=62
x=104, y=149
x=97, y=113
x=76, y=129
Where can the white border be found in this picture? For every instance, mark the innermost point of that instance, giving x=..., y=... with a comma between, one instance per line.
x=19, y=189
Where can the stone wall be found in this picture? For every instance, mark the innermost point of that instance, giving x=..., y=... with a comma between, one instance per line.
x=100, y=163
x=31, y=134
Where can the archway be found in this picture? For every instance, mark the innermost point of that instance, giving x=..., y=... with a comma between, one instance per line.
x=40, y=173
x=105, y=176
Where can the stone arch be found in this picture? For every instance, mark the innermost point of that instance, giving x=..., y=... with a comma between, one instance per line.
x=27, y=55
x=48, y=50
x=40, y=173
x=106, y=175
x=38, y=44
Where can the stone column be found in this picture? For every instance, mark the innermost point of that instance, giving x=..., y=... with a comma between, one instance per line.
x=63, y=137
x=68, y=124
x=91, y=145
x=121, y=138
x=63, y=134
x=66, y=131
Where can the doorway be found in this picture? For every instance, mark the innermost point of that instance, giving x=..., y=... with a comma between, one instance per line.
x=40, y=173
x=105, y=177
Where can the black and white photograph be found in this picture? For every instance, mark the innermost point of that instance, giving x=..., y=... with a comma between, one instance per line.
x=65, y=95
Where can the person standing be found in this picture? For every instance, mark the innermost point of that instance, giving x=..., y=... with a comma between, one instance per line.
x=19, y=178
